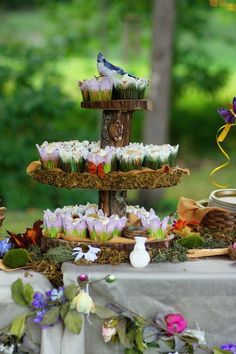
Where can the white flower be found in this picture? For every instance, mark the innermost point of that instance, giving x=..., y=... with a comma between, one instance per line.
x=6, y=349
x=83, y=303
x=90, y=255
x=197, y=333
x=108, y=333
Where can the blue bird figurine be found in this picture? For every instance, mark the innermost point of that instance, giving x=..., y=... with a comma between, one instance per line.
x=105, y=68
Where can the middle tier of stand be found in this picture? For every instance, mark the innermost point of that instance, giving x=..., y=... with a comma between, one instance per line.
x=136, y=179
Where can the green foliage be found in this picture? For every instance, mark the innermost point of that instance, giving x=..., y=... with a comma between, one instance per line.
x=38, y=80
x=177, y=253
x=16, y=258
x=220, y=351
x=18, y=326
x=197, y=77
x=59, y=255
x=21, y=293
x=70, y=291
x=104, y=312
x=73, y=321
x=51, y=316
x=33, y=108
x=191, y=241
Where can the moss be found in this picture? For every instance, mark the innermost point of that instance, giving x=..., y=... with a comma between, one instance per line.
x=175, y=254
x=15, y=258
x=191, y=241
x=50, y=270
x=59, y=255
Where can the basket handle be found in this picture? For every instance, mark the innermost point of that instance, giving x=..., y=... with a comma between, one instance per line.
x=202, y=203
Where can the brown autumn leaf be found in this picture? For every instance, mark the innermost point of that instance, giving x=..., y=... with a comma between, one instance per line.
x=30, y=237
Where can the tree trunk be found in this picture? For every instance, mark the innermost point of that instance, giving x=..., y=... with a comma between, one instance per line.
x=157, y=122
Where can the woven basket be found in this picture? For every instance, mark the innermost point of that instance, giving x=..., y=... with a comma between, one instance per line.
x=232, y=253
x=218, y=219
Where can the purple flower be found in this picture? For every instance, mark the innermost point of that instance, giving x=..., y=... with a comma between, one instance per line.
x=105, y=83
x=229, y=346
x=5, y=245
x=56, y=294
x=49, y=156
x=121, y=223
x=229, y=115
x=39, y=300
x=39, y=316
x=164, y=223
x=155, y=224
x=95, y=158
x=93, y=85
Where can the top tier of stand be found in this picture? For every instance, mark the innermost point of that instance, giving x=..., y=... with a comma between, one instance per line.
x=120, y=105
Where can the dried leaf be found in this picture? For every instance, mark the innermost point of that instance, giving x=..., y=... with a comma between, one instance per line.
x=30, y=237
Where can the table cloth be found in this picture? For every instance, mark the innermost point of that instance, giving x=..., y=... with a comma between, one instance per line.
x=204, y=291
x=50, y=339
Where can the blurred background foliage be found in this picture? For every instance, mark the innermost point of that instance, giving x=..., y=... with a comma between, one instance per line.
x=46, y=46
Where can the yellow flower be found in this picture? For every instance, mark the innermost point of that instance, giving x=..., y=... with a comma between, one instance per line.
x=83, y=303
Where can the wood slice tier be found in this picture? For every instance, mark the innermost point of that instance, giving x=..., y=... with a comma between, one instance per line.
x=120, y=105
x=137, y=179
x=118, y=248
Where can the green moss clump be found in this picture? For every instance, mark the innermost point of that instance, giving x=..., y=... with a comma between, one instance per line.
x=59, y=255
x=176, y=253
x=192, y=241
x=16, y=258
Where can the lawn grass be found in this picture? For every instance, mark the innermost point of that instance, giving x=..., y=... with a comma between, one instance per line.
x=18, y=221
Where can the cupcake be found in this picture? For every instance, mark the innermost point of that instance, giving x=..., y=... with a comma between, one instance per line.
x=130, y=158
x=66, y=160
x=49, y=154
x=53, y=223
x=128, y=87
x=83, y=85
x=75, y=228
x=152, y=157
x=173, y=155
x=105, y=88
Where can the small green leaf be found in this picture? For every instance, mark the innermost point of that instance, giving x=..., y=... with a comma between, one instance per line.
x=73, y=321
x=139, y=340
x=129, y=351
x=217, y=350
x=121, y=331
x=18, y=326
x=165, y=346
x=189, y=339
x=152, y=345
x=17, y=292
x=51, y=316
x=70, y=291
x=28, y=293
x=104, y=312
x=63, y=310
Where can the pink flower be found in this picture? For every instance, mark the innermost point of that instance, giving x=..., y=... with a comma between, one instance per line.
x=108, y=333
x=234, y=245
x=175, y=323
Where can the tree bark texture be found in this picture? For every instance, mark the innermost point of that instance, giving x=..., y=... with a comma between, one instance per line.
x=157, y=122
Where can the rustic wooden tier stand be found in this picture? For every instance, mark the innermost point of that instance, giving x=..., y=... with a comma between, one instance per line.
x=116, y=131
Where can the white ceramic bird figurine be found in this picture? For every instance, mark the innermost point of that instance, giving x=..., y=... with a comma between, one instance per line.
x=105, y=68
